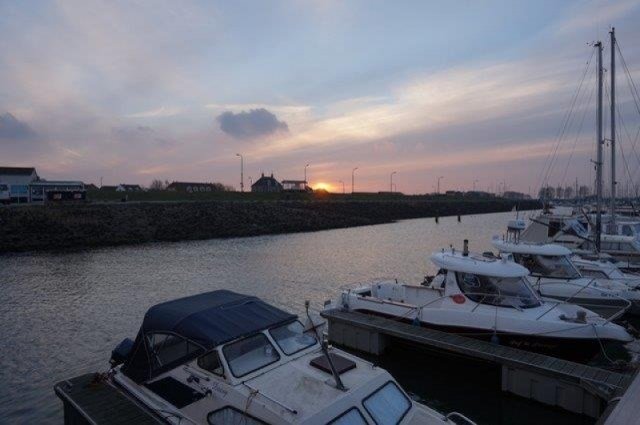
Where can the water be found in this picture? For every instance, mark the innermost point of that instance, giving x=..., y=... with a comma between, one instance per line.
x=62, y=313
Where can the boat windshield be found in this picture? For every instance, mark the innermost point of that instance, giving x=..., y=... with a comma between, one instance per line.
x=501, y=291
x=250, y=354
x=548, y=265
x=291, y=337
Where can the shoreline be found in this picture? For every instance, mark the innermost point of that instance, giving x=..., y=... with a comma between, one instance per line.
x=83, y=226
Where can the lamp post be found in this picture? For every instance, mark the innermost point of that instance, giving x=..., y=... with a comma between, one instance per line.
x=391, y=181
x=474, y=184
x=241, y=172
x=305, y=175
x=340, y=181
x=353, y=179
x=438, y=191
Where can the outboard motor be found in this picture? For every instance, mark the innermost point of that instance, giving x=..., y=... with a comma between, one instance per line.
x=120, y=354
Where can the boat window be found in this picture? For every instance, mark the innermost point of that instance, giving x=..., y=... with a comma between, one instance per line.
x=250, y=354
x=168, y=348
x=548, y=265
x=352, y=416
x=387, y=405
x=554, y=228
x=4, y=187
x=501, y=291
x=598, y=274
x=211, y=362
x=231, y=415
x=292, y=338
x=626, y=230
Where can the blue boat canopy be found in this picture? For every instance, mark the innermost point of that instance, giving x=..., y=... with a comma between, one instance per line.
x=178, y=331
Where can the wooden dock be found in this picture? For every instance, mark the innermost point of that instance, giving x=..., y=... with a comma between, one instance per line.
x=573, y=386
x=92, y=401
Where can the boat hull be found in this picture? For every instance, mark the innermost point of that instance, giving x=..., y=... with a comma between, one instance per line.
x=575, y=349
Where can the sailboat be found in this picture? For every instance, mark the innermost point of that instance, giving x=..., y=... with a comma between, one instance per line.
x=585, y=233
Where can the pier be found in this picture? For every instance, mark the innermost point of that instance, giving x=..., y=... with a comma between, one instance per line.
x=91, y=401
x=572, y=386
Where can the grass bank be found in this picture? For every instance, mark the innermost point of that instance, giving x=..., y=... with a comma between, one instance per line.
x=47, y=227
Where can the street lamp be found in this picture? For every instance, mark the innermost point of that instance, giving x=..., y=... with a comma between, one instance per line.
x=340, y=181
x=353, y=177
x=391, y=181
x=241, y=172
x=305, y=175
x=474, y=184
x=441, y=177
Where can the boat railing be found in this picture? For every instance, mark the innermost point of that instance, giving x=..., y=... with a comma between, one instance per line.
x=455, y=415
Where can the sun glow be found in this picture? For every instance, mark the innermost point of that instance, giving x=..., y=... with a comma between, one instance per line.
x=322, y=186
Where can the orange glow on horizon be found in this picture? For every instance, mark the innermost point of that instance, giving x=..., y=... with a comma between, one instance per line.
x=322, y=186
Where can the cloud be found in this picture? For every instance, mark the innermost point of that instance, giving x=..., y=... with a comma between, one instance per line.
x=157, y=113
x=250, y=125
x=13, y=129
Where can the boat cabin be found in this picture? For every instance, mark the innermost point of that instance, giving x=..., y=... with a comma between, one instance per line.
x=542, y=260
x=483, y=279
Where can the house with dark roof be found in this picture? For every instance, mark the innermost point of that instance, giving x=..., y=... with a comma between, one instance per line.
x=194, y=187
x=18, y=175
x=128, y=188
x=266, y=184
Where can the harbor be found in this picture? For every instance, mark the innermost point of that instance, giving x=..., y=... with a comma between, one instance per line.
x=282, y=213
x=68, y=281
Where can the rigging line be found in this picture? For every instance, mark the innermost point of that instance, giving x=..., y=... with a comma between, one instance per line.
x=543, y=174
x=575, y=142
x=618, y=133
x=566, y=125
x=634, y=89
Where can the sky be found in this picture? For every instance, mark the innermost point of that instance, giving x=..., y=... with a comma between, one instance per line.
x=473, y=91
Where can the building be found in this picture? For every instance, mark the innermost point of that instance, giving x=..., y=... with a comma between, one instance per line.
x=128, y=188
x=295, y=186
x=56, y=190
x=14, y=183
x=18, y=175
x=266, y=184
x=191, y=187
x=90, y=186
x=509, y=194
x=107, y=188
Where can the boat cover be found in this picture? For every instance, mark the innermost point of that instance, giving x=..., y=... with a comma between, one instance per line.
x=200, y=323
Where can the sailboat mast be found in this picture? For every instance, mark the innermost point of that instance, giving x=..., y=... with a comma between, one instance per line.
x=599, y=141
x=612, y=228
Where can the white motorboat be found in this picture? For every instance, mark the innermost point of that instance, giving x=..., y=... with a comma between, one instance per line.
x=489, y=298
x=222, y=357
x=574, y=233
x=604, y=267
x=554, y=275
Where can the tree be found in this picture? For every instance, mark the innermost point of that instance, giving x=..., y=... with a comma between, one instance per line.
x=568, y=192
x=157, y=184
x=547, y=192
x=584, y=191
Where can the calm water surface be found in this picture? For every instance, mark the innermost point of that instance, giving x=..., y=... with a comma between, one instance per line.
x=62, y=313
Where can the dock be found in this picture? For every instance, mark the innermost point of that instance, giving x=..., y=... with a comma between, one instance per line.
x=572, y=386
x=91, y=401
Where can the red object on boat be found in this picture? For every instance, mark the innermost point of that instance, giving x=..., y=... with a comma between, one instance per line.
x=458, y=298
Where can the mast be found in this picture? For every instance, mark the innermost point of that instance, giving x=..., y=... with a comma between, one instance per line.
x=599, y=141
x=612, y=227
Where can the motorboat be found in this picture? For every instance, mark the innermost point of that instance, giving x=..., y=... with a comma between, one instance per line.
x=487, y=297
x=575, y=232
x=221, y=357
x=554, y=275
x=602, y=266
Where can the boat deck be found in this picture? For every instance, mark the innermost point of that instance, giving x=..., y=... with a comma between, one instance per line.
x=92, y=401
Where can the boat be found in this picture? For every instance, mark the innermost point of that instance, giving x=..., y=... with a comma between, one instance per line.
x=490, y=298
x=554, y=275
x=221, y=357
